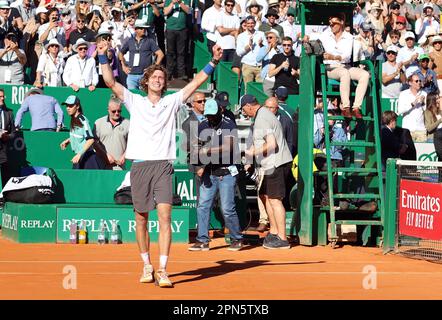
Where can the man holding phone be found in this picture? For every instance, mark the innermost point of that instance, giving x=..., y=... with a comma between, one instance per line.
x=13, y=59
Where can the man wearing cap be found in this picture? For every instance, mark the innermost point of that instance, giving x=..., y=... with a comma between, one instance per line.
x=419, y=9
x=436, y=58
x=427, y=76
x=218, y=155
x=82, y=32
x=392, y=74
x=426, y=22
x=285, y=66
x=141, y=51
x=147, y=11
x=406, y=10
x=271, y=16
x=12, y=61
x=274, y=160
x=408, y=54
x=290, y=28
x=227, y=25
x=222, y=99
x=248, y=44
x=80, y=70
x=152, y=146
x=397, y=36
x=364, y=43
x=42, y=109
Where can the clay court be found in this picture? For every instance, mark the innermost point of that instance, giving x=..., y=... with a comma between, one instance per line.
x=35, y=271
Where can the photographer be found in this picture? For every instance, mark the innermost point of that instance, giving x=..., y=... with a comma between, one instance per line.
x=12, y=60
x=10, y=21
x=52, y=30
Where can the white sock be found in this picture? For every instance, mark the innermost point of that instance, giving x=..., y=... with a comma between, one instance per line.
x=163, y=262
x=145, y=257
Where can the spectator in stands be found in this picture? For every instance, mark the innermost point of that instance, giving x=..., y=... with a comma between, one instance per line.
x=147, y=11
x=26, y=10
x=236, y=62
x=209, y=22
x=425, y=41
x=271, y=16
x=50, y=66
x=68, y=24
x=375, y=17
x=411, y=106
x=436, y=58
x=106, y=34
x=392, y=74
x=42, y=109
x=284, y=67
x=364, y=46
x=290, y=28
x=427, y=76
x=433, y=122
x=94, y=20
x=222, y=99
x=112, y=132
x=141, y=52
x=358, y=18
x=81, y=137
x=247, y=47
x=407, y=10
x=218, y=156
x=282, y=9
x=176, y=34
x=337, y=58
x=419, y=8
x=391, y=146
x=10, y=22
x=408, y=54
x=82, y=32
x=426, y=22
x=12, y=61
x=52, y=29
x=227, y=25
x=396, y=35
x=7, y=134
x=83, y=7
x=265, y=55
x=80, y=70
x=190, y=128
x=274, y=161
x=151, y=178
x=255, y=9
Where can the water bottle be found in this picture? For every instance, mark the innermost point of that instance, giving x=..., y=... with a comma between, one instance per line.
x=286, y=69
x=102, y=233
x=114, y=234
x=82, y=233
x=73, y=232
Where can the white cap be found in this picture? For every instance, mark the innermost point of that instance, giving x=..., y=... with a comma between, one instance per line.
x=436, y=39
x=275, y=32
x=427, y=5
x=392, y=48
x=41, y=10
x=4, y=4
x=409, y=34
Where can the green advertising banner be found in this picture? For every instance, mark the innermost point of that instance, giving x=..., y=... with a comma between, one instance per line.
x=123, y=218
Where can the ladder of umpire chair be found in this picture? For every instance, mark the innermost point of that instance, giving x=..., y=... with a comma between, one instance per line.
x=369, y=142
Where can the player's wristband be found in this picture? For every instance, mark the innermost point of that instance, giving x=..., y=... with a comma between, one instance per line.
x=102, y=59
x=208, y=69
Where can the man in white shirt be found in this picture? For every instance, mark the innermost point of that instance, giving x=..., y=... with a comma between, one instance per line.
x=411, y=106
x=290, y=28
x=227, y=26
x=426, y=22
x=80, y=70
x=247, y=47
x=51, y=29
x=409, y=53
x=338, y=46
x=208, y=23
x=152, y=146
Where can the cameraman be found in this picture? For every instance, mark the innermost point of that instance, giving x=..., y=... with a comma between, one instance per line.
x=12, y=61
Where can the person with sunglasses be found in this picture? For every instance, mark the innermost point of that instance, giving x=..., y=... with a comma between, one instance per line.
x=152, y=146
x=80, y=70
x=81, y=137
x=111, y=132
x=392, y=74
x=411, y=106
x=50, y=66
x=147, y=11
x=426, y=23
x=227, y=25
x=52, y=29
x=265, y=55
x=427, y=76
x=82, y=32
x=338, y=46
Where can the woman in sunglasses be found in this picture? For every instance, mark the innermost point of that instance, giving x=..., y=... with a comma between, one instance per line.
x=265, y=54
x=50, y=66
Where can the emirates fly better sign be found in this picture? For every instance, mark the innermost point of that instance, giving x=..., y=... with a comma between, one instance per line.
x=420, y=209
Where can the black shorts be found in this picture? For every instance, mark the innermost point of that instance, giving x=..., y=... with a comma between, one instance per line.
x=151, y=184
x=274, y=184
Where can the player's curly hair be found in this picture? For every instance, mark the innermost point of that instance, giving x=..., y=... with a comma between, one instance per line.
x=148, y=73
